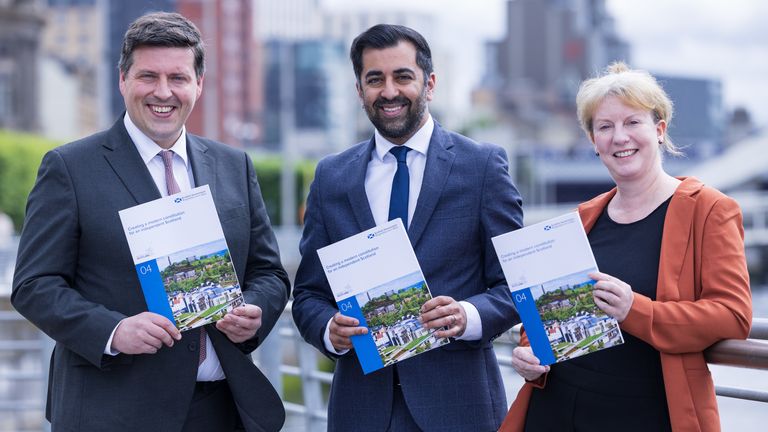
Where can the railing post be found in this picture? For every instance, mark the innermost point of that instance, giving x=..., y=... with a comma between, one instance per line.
x=270, y=356
x=311, y=388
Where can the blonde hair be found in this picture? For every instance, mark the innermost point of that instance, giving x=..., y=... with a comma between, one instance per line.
x=636, y=88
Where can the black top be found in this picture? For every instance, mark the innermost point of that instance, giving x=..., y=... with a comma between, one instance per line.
x=624, y=384
x=631, y=253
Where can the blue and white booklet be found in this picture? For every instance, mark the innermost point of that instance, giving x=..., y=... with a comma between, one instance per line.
x=375, y=277
x=182, y=259
x=546, y=267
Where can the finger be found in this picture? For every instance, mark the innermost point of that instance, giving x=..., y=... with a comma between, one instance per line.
x=341, y=343
x=605, y=295
x=229, y=327
x=165, y=324
x=244, y=321
x=525, y=354
x=451, y=332
x=147, y=348
x=159, y=336
x=436, y=317
x=346, y=321
x=435, y=303
x=146, y=338
x=348, y=332
x=247, y=311
x=598, y=276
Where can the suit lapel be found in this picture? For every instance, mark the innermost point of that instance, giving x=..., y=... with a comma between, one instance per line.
x=439, y=162
x=203, y=168
x=125, y=160
x=358, y=199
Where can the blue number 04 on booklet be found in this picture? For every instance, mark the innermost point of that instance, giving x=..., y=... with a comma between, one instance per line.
x=375, y=277
x=182, y=259
x=546, y=266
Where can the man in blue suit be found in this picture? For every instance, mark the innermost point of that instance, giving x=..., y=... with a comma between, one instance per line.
x=116, y=366
x=458, y=194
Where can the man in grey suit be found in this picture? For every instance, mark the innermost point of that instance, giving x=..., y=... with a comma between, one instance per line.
x=116, y=366
x=457, y=194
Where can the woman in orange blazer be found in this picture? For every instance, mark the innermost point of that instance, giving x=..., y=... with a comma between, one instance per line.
x=673, y=273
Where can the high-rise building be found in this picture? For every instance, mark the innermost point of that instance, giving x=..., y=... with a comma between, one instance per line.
x=311, y=102
x=21, y=22
x=231, y=106
x=73, y=99
x=307, y=106
x=550, y=46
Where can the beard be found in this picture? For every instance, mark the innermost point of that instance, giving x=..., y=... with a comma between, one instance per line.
x=398, y=129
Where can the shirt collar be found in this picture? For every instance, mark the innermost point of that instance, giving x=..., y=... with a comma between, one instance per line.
x=418, y=142
x=148, y=149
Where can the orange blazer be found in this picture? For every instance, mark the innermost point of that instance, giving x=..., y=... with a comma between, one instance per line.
x=702, y=296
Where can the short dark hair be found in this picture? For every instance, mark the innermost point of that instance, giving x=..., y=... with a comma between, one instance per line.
x=383, y=36
x=162, y=29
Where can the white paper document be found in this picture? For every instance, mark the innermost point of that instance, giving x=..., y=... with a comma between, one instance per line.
x=375, y=277
x=181, y=257
x=546, y=266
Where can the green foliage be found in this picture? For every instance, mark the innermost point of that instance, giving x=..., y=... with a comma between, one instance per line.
x=216, y=269
x=20, y=156
x=580, y=298
x=407, y=302
x=269, y=172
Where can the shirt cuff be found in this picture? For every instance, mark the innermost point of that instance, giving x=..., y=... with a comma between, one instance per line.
x=327, y=341
x=474, y=330
x=108, y=349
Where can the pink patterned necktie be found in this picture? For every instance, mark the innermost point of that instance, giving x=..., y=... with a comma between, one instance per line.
x=173, y=187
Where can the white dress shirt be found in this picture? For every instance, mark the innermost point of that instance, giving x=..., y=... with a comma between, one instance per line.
x=210, y=369
x=378, y=188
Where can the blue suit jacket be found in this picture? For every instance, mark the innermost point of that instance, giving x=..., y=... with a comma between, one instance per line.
x=75, y=280
x=467, y=197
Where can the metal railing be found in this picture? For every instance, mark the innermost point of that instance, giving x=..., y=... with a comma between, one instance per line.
x=750, y=353
x=284, y=355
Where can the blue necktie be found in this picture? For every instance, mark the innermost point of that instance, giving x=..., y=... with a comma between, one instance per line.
x=398, y=201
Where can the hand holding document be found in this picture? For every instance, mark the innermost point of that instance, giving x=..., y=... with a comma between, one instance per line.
x=375, y=278
x=546, y=266
x=182, y=259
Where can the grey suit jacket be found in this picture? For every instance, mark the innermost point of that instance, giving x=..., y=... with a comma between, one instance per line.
x=75, y=280
x=467, y=197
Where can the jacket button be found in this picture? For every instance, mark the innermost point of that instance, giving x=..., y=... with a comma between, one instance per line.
x=192, y=346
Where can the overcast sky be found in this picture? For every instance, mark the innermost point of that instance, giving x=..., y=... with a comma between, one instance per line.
x=721, y=39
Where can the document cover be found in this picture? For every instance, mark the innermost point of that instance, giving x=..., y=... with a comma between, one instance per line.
x=182, y=259
x=375, y=277
x=546, y=267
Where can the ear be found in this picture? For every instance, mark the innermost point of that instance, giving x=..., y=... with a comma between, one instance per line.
x=430, y=85
x=359, y=90
x=200, y=85
x=121, y=83
x=661, y=129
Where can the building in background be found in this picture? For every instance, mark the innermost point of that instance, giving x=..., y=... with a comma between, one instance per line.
x=231, y=108
x=699, y=122
x=534, y=72
x=311, y=105
x=21, y=23
x=71, y=98
x=307, y=107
